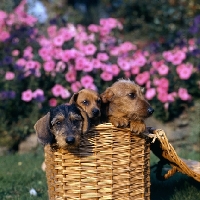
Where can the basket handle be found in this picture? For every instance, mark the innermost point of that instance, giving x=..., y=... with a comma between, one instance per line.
x=165, y=152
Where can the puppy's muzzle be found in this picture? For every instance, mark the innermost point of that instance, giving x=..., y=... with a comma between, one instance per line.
x=95, y=112
x=150, y=111
x=70, y=140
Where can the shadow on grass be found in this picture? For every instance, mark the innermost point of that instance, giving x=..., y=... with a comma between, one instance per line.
x=177, y=187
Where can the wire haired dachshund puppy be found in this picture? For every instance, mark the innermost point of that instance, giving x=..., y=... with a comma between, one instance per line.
x=124, y=105
x=62, y=127
x=89, y=101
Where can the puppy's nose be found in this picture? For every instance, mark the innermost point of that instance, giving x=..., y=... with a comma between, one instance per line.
x=150, y=110
x=70, y=140
x=95, y=112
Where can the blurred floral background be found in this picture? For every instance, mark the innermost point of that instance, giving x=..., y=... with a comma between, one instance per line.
x=51, y=49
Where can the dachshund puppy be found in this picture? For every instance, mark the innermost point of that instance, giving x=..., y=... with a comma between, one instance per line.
x=62, y=127
x=124, y=105
x=89, y=101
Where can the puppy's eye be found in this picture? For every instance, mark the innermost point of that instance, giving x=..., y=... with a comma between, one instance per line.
x=85, y=102
x=132, y=95
x=58, y=123
x=98, y=101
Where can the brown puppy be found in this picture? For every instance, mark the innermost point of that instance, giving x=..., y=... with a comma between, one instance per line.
x=89, y=101
x=62, y=127
x=125, y=105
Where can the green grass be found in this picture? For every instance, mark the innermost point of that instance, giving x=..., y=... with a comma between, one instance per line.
x=20, y=173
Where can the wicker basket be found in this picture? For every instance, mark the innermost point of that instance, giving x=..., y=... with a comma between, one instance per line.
x=111, y=163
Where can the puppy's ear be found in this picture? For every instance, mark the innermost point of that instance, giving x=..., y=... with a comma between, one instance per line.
x=107, y=95
x=73, y=98
x=86, y=121
x=42, y=130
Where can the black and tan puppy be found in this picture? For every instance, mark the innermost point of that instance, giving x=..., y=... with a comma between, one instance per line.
x=62, y=127
x=89, y=101
x=125, y=105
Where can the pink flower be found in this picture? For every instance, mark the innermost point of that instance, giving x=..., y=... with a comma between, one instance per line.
x=157, y=64
x=27, y=95
x=9, y=76
x=106, y=76
x=70, y=76
x=183, y=94
x=115, y=51
x=124, y=64
x=60, y=66
x=171, y=96
x=68, y=31
x=115, y=69
x=142, y=78
x=86, y=81
x=52, y=31
x=89, y=49
x=162, y=96
x=92, y=87
x=57, y=53
x=135, y=70
x=150, y=93
x=4, y=35
x=110, y=23
x=139, y=59
x=49, y=66
x=38, y=92
x=45, y=53
x=167, y=55
x=93, y=28
x=184, y=71
x=21, y=62
x=31, y=64
x=102, y=56
x=163, y=69
x=79, y=63
x=96, y=63
x=88, y=66
x=57, y=90
x=15, y=52
x=127, y=46
x=76, y=86
x=58, y=41
x=3, y=15
x=162, y=83
x=65, y=94
x=28, y=52
x=175, y=56
x=53, y=102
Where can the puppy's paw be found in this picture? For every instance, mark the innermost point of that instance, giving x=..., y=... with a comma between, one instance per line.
x=119, y=122
x=137, y=126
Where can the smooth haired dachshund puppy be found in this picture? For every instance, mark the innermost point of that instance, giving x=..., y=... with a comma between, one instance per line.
x=89, y=101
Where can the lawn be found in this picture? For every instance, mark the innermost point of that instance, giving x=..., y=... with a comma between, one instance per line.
x=20, y=173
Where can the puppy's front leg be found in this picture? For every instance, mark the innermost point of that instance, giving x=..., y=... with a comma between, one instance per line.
x=118, y=121
x=137, y=126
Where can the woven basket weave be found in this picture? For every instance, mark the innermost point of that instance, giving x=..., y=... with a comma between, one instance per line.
x=111, y=163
